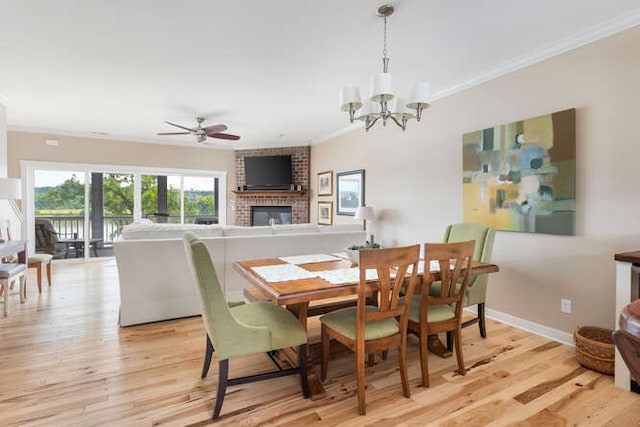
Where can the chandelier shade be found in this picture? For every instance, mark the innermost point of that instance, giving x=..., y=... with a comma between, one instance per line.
x=350, y=98
x=381, y=87
x=383, y=103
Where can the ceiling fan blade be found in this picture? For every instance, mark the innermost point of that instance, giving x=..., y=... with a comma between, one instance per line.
x=211, y=130
x=180, y=126
x=174, y=133
x=224, y=136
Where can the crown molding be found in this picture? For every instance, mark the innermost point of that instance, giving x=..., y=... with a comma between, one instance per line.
x=582, y=38
x=352, y=127
x=55, y=132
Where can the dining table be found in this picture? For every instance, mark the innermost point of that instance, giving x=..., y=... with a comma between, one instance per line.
x=314, y=284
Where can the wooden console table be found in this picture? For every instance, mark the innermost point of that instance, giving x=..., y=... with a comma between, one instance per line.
x=627, y=290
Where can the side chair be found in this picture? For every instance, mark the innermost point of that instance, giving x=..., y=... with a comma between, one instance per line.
x=242, y=329
x=476, y=293
x=367, y=329
x=430, y=315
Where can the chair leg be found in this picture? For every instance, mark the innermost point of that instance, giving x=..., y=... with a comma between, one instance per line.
x=459, y=356
x=23, y=288
x=424, y=356
x=304, y=375
x=207, y=357
x=402, y=357
x=39, y=276
x=324, y=366
x=49, y=273
x=450, y=340
x=223, y=376
x=362, y=404
x=5, y=290
x=372, y=359
x=481, y=322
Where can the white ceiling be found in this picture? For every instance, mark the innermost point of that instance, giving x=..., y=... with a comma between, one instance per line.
x=270, y=70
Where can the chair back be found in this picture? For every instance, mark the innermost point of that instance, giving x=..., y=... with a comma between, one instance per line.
x=220, y=324
x=484, y=237
x=46, y=236
x=392, y=266
x=454, y=261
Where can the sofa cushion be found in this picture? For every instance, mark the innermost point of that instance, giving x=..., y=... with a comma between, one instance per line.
x=340, y=228
x=236, y=230
x=295, y=228
x=144, y=230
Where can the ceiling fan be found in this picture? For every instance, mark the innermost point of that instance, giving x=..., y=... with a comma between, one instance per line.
x=202, y=133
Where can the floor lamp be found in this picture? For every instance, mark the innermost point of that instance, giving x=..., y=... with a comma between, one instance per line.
x=365, y=213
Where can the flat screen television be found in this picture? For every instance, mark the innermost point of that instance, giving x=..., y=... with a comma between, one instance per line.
x=268, y=172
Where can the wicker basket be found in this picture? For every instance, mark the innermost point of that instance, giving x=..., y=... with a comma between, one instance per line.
x=594, y=348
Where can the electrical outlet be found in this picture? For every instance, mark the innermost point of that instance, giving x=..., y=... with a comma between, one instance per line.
x=565, y=305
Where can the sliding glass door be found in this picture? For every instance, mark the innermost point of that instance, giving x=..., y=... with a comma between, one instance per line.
x=88, y=205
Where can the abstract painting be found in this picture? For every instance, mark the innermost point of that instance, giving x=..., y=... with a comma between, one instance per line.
x=521, y=176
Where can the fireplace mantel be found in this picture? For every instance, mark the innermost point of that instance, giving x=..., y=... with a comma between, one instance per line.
x=276, y=193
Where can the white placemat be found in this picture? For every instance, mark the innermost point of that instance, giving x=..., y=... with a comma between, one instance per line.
x=345, y=275
x=308, y=259
x=341, y=255
x=282, y=273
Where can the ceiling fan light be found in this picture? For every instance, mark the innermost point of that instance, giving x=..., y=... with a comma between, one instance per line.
x=381, y=86
x=350, y=98
x=420, y=96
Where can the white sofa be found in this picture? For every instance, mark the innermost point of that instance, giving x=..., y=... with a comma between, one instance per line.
x=155, y=281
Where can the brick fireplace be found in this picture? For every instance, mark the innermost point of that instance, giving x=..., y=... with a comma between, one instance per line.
x=298, y=200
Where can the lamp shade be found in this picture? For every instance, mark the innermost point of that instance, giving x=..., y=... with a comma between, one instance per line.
x=420, y=96
x=381, y=85
x=10, y=189
x=364, y=212
x=400, y=110
x=350, y=97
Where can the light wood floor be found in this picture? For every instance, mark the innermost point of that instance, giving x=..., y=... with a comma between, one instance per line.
x=65, y=362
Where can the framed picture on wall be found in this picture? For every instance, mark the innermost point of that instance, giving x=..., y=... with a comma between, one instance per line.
x=350, y=191
x=325, y=183
x=325, y=213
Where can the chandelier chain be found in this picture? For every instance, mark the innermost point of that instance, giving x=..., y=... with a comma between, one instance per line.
x=384, y=49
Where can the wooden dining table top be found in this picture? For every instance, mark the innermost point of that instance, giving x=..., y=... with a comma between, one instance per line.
x=301, y=291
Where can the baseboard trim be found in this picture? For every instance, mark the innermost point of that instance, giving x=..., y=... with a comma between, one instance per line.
x=526, y=325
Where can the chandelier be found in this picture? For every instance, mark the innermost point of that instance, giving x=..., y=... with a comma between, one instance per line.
x=383, y=104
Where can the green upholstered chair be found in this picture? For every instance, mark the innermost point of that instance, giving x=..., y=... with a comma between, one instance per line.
x=242, y=329
x=367, y=329
x=429, y=314
x=477, y=291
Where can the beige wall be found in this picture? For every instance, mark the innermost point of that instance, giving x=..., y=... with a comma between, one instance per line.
x=31, y=146
x=414, y=178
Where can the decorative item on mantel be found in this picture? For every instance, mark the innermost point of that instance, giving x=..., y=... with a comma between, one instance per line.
x=378, y=106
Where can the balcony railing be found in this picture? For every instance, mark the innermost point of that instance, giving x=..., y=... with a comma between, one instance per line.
x=72, y=226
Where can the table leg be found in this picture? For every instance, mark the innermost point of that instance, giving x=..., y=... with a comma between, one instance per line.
x=316, y=390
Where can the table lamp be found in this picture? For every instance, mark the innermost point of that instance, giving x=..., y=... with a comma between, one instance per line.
x=11, y=190
x=365, y=213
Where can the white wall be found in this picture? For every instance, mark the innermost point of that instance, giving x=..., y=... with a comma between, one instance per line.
x=414, y=178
